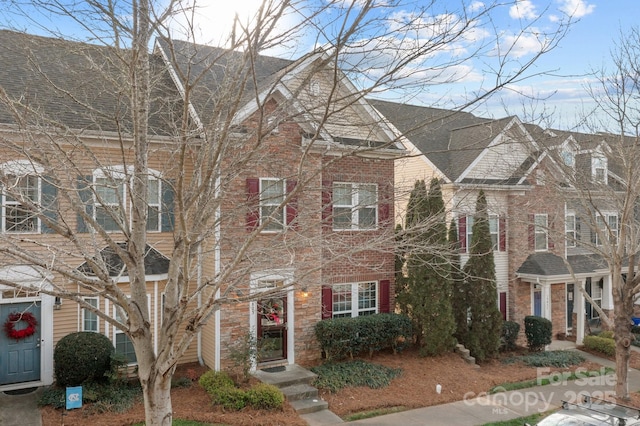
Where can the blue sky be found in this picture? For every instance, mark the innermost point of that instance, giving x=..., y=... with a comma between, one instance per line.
x=561, y=93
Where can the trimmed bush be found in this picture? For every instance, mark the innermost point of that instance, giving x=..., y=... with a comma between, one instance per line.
x=231, y=398
x=600, y=344
x=265, y=397
x=214, y=381
x=607, y=334
x=510, y=330
x=82, y=357
x=346, y=337
x=538, y=332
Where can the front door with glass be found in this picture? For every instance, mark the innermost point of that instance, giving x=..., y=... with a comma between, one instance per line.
x=272, y=329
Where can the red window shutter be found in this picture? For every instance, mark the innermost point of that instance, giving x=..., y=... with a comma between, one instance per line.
x=327, y=302
x=532, y=232
x=462, y=233
x=502, y=225
x=327, y=206
x=292, y=206
x=503, y=305
x=384, y=296
x=253, y=203
x=383, y=214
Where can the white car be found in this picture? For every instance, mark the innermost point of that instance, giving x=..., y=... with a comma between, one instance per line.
x=591, y=413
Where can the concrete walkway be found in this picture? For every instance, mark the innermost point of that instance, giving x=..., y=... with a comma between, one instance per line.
x=20, y=410
x=510, y=405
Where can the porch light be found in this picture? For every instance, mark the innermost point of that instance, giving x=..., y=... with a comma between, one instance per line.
x=57, y=303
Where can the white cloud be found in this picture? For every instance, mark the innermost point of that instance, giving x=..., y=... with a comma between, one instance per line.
x=523, y=9
x=522, y=44
x=475, y=6
x=576, y=8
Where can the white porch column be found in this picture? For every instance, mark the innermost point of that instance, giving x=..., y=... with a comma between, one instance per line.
x=579, y=309
x=607, y=293
x=546, y=301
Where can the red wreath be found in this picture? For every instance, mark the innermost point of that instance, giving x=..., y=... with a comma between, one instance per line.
x=13, y=319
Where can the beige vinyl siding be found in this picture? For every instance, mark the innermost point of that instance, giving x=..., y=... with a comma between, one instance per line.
x=407, y=171
x=501, y=159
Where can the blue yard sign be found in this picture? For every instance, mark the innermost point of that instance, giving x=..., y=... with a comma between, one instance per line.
x=74, y=397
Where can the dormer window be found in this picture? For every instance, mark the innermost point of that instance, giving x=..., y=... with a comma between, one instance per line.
x=568, y=157
x=599, y=168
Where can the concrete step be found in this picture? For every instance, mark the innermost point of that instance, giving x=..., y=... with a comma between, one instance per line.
x=321, y=418
x=311, y=405
x=291, y=375
x=299, y=391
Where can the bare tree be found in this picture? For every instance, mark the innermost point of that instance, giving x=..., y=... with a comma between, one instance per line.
x=141, y=150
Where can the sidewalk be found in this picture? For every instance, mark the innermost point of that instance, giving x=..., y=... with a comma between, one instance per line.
x=509, y=405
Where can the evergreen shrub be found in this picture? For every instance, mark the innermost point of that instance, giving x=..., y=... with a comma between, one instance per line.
x=82, y=357
x=538, y=332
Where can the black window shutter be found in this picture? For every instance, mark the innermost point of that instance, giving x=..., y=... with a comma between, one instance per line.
x=327, y=302
x=49, y=203
x=168, y=197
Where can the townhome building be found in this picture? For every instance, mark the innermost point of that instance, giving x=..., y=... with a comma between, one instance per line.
x=303, y=200
x=537, y=220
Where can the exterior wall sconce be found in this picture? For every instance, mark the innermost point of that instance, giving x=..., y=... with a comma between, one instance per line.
x=57, y=304
x=305, y=292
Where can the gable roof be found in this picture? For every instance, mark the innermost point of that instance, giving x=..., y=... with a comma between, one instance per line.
x=451, y=140
x=61, y=83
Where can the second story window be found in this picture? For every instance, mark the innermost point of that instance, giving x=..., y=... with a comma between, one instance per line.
x=570, y=230
x=355, y=206
x=599, y=168
x=18, y=216
x=108, y=202
x=271, y=209
x=540, y=233
x=607, y=224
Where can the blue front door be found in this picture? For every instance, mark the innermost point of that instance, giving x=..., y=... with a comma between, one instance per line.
x=19, y=358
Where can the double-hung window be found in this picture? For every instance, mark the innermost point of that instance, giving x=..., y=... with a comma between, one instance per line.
x=570, y=230
x=90, y=318
x=599, y=168
x=355, y=206
x=154, y=200
x=109, y=199
x=272, y=193
x=494, y=230
x=540, y=232
x=18, y=216
x=607, y=224
x=354, y=299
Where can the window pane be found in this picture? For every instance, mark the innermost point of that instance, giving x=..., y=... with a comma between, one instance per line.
x=19, y=219
x=342, y=298
x=276, y=221
x=153, y=191
x=367, y=195
x=342, y=194
x=342, y=217
x=153, y=218
x=366, y=297
x=272, y=192
x=124, y=346
x=367, y=218
x=541, y=241
x=104, y=218
x=90, y=322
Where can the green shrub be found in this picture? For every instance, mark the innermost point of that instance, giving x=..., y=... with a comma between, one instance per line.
x=214, y=381
x=265, y=397
x=346, y=337
x=559, y=359
x=335, y=376
x=607, y=335
x=600, y=344
x=510, y=330
x=230, y=398
x=82, y=357
x=538, y=332
x=103, y=396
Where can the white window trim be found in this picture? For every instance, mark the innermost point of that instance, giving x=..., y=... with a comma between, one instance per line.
x=118, y=172
x=83, y=312
x=606, y=216
x=355, y=206
x=21, y=168
x=469, y=236
x=5, y=203
x=599, y=161
x=278, y=205
x=540, y=229
x=116, y=330
x=571, y=241
x=355, y=296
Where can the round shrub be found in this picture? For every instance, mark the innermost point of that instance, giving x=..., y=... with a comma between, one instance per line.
x=265, y=396
x=214, y=381
x=82, y=357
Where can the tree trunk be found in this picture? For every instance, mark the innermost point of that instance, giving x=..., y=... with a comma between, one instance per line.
x=157, y=399
x=623, y=338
